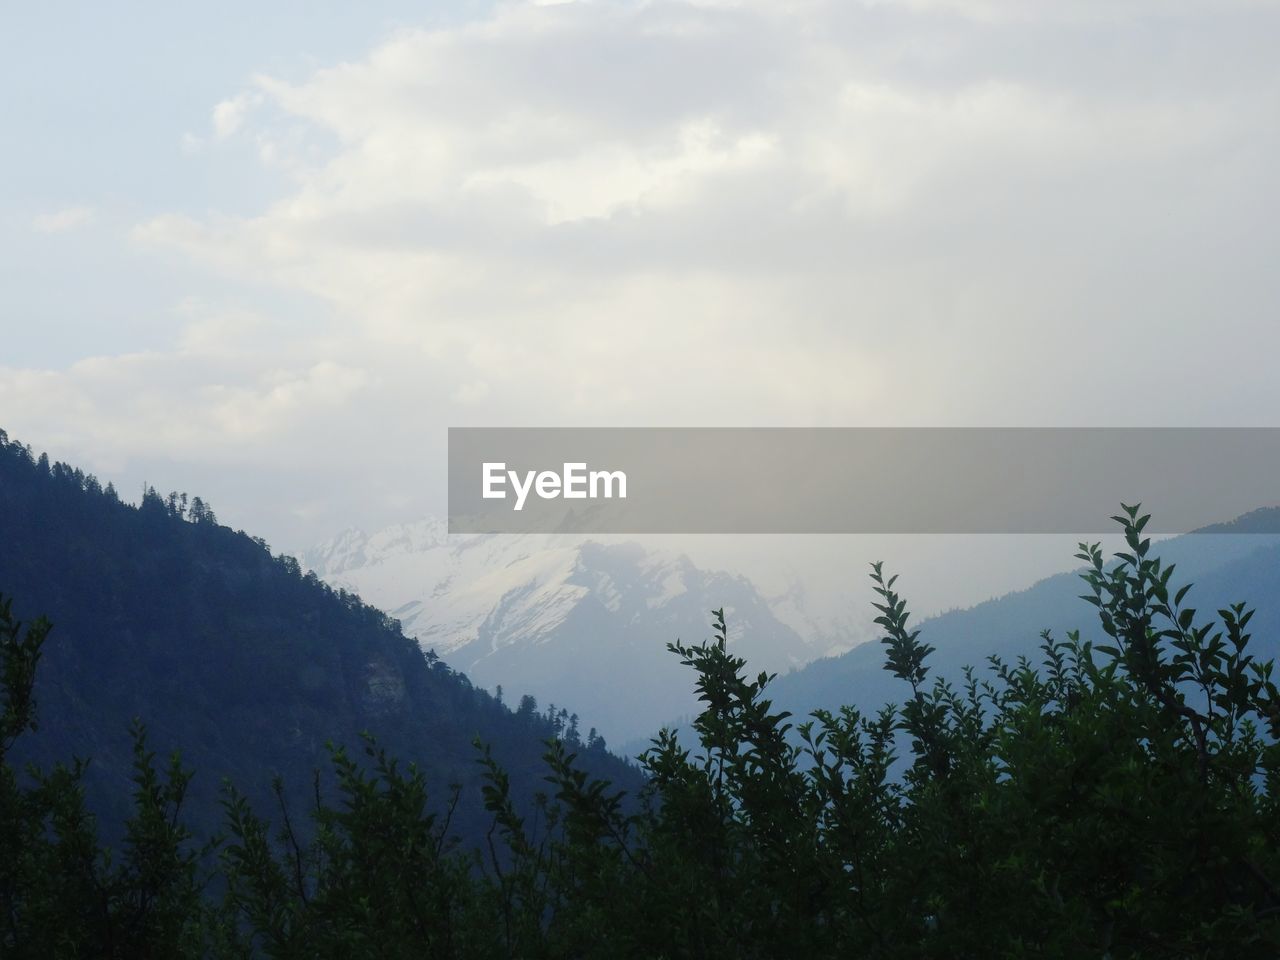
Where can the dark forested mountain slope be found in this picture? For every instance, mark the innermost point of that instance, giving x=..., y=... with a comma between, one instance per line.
x=227, y=654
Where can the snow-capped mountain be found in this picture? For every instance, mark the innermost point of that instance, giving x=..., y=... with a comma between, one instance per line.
x=579, y=623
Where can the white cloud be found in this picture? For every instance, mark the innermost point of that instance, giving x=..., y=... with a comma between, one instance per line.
x=181, y=405
x=471, y=392
x=582, y=202
x=64, y=220
x=1107, y=11
x=610, y=178
x=914, y=211
x=229, y=115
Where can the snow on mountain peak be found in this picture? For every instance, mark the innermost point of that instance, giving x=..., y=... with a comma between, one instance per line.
x=579, y=622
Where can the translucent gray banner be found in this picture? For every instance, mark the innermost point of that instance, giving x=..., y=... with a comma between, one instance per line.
x=854, y=480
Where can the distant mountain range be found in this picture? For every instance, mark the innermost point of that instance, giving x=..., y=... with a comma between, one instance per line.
x=586, y=623
x=1228, y=563
x=575, y=623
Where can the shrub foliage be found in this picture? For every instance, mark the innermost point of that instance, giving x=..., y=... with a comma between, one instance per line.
x=1116, y=800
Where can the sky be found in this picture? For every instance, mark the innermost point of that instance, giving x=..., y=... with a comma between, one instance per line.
x=268, y=254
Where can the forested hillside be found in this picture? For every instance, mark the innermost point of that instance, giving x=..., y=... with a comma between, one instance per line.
x=230, y=655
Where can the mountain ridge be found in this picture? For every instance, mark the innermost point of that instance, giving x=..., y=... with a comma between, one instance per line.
x=232, y=656
x=1228, y=562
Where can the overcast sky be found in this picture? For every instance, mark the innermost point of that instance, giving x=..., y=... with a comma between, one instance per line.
x=268, y=256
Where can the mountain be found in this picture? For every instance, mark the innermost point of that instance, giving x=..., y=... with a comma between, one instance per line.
x=228, y=654
x=1228, y=563
x=569, y=621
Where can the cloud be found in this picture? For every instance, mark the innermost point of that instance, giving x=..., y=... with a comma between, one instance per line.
x=64, y=220
x=1077, y=11
x=229, y=115
x=898, y=212
x=187, y=406
x=620, y=193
